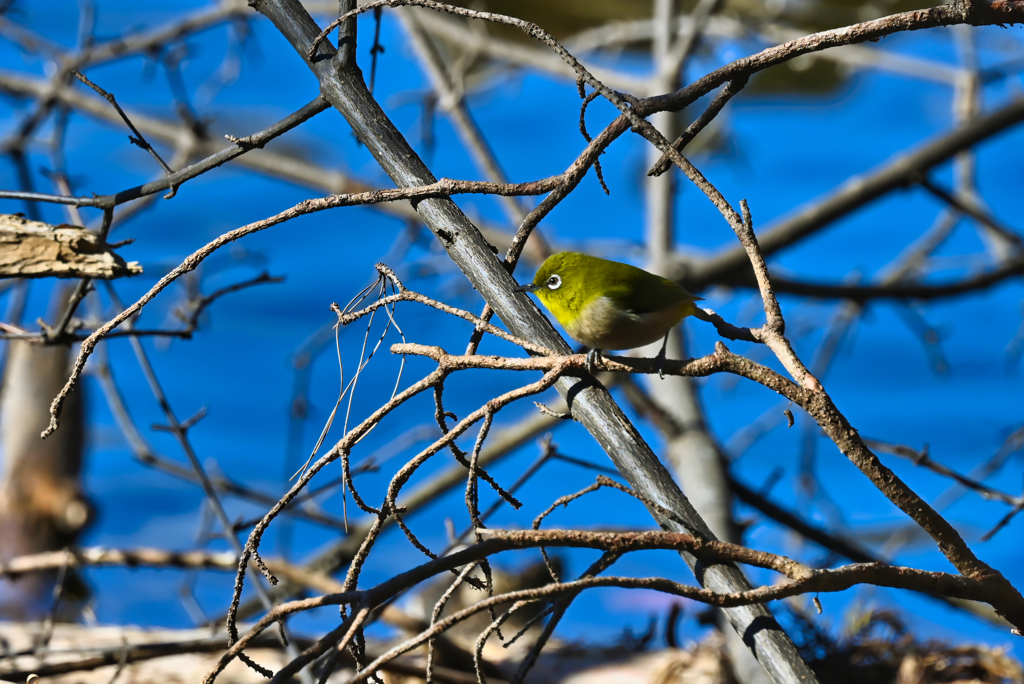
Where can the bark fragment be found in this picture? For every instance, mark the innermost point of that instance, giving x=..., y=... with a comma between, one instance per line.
x=31, y=249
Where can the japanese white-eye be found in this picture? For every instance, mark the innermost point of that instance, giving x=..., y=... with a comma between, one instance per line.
x=609, y=305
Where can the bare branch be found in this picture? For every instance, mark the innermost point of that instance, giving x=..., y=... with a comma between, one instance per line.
x=101, y=557
x=441, y=188
x=923, y=459
x=967, y=206
x=502, y=443
x=907, y=291
x=817, y=404
x=728, y=91
x=803, y=580
x=138, y=139
x=406, y=295
x=853, y=194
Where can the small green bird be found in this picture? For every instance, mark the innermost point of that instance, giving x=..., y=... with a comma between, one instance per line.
x=609, y=305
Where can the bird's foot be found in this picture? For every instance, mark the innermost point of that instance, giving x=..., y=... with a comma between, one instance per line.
x=592, y=356
x=660, y=363
x=661, y=357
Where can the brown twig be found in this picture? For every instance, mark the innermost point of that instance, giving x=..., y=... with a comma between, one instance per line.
x=966, y=206
x=773, y=332
x=923, y=459
x=728, y=91
x=802, y=580
x=441, y=188
x=819, y=406
x=502, y=443
x=856, y=192
x=406, y=295
x=138, y=138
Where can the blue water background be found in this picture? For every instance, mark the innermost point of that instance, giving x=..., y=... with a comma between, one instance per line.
x=784, y=151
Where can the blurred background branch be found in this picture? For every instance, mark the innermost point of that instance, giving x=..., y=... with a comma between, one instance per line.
x=245, y=130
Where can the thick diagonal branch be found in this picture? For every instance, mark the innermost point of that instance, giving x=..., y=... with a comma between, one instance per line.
x=590, y=404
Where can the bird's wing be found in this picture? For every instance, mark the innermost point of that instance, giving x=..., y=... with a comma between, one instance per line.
x=649, y=293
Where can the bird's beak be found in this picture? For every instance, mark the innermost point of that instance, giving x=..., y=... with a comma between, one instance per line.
x=528, y=287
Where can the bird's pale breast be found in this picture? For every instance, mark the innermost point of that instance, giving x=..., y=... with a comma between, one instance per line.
x=602, y=325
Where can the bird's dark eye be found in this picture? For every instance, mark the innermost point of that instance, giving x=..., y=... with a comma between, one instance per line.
x=554, y=282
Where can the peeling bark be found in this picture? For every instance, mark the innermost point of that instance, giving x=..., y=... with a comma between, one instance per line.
x=30, y=249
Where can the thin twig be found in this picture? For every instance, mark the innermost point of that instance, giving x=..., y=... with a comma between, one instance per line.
x=138, y=138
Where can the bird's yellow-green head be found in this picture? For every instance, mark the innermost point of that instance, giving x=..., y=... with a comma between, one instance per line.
x=607, y=304
x=561, y=283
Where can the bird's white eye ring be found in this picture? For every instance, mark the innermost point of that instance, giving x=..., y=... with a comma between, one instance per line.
x=554, y=282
